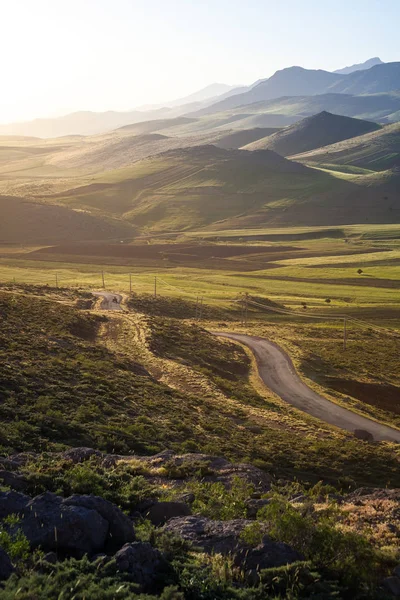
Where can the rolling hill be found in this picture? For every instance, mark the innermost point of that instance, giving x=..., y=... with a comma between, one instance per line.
x=376, y=151
x=313, y=132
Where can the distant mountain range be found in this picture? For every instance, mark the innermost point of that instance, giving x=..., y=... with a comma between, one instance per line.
x=357, y=81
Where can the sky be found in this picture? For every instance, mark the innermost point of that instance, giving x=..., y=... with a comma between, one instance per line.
x=60, y=56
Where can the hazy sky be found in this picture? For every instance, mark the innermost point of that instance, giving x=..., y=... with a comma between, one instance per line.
x=58, y=56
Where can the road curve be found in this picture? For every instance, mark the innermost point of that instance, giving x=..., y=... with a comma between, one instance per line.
x=279, y=375
x=108, y=300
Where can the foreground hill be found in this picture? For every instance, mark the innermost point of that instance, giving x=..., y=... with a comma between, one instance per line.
x=376, y=151
x=314, y=132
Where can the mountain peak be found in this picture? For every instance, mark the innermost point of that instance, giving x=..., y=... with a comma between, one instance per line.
x=371, y=62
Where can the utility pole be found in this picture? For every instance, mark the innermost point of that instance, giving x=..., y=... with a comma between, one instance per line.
x=130, y=283
x=155, y=287
x=102, y=277
x=344, y=333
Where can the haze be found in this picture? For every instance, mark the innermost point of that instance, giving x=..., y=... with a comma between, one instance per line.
x=60, y=57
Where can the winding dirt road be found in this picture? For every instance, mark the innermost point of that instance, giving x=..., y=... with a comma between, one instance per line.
x=108, y=300
x=279, y=375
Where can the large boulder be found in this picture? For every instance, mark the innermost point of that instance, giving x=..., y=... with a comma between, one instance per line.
x=161, y=512
x=120, y=527
x=12, y=503
x=50, y=524
x=79, y=455
x=143, y=562
x=223, y=537
x=6, y=567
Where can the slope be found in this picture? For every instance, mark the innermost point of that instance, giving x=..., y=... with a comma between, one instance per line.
x=313, y=132
x=376, y=151
x=377, y=79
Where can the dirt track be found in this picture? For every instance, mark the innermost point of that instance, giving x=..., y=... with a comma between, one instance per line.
x=108, y=300
x=279, y=375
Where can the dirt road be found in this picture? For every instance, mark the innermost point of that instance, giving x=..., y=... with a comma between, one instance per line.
x=108, y=300
x=279, y=375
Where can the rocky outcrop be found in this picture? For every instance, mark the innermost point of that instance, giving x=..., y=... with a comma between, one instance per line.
x=73, y=526
x=144, y=563
x=161, y=512
x=120, y=528
x=223, y=537
x=72, y=530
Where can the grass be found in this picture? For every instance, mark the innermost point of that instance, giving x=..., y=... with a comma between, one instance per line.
x=60, y=388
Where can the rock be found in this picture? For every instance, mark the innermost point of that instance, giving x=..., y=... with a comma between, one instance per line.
x=78, y=455
x=396, y=571
x=223, y=537
x=72, y=530
x=16, y=482
x=161, y=512
x=211, y=536
x=6, y=567
x=267, y=555
x=254, y=505
x=364, y=435
x=392, y=584
x=12, y=503
x=120, y=530
x=143, y=562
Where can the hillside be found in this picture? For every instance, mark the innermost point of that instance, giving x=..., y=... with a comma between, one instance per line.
x=377, y=79
x=376, y=151
x=314, y=132
x=238, y=139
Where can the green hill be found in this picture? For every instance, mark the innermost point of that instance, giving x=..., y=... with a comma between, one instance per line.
x=313, y=132
x=376, y=151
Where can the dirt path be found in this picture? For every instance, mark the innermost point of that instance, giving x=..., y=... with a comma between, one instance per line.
x=108, y=300
x=279, y=375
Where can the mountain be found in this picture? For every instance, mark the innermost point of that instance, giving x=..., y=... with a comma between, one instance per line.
x=313, y=132
x=376, y=151
x=296, y=81
x=361, y=66
x=379, y=79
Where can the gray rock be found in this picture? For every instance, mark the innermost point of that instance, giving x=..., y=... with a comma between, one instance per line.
x=267, y=555
x=120, y=529
x=254, y=505
x=73, y=530
x=12, y=503
x=15, y=481
x=6, y=567
x=143, y=562
x=223, y=537
x=392, y=584
x=161, y=512
x=78, y=455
